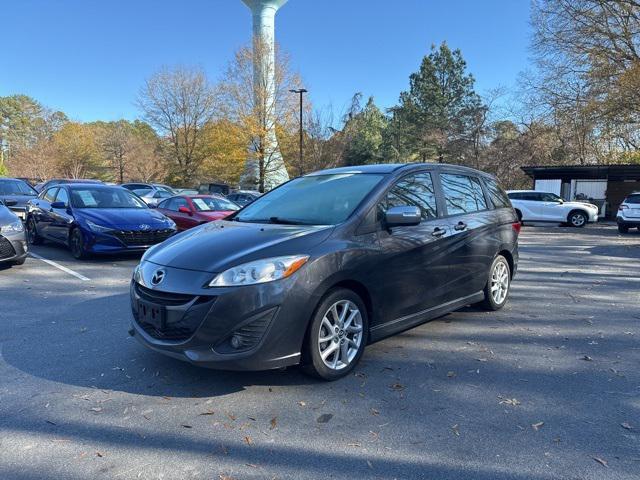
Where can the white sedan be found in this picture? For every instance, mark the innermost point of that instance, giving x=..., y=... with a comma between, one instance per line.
x=534, y=206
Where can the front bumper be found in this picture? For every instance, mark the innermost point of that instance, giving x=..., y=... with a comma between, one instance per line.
x=108, y=242
x=593, y=215
x=199, y=322
x=13, y=247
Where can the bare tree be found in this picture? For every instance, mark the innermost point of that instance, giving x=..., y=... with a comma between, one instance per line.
x=249, y=100
x=178, y=102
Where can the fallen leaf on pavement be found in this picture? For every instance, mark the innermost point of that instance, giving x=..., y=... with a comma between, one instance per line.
x=96, y=409
x=509, y=401
x=455, y=430
x=601, y=461
x=374, y=412
x=248, y=440
x=537, y=426
x=626, y=425
x=187, y=426
x=451, y=374
x=396, y=386
x=98, y=454
x=301, y=403
x=370, y=464
x=208, y=412
x=587, y=358
x=274, y=422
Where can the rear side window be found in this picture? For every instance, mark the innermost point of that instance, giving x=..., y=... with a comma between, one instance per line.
x=496, y=194
x=462, y=194
x=415, y=190
x=635, y=199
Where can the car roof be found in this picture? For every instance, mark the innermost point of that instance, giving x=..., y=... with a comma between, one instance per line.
x=387, y=168
x=79, y=185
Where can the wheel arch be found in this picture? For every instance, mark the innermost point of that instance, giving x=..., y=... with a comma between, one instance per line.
x=578, y=210
x=509, y=257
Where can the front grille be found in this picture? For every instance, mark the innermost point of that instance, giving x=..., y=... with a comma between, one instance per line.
x=162, y=298
x=184, y=314
x=6, y=249
x=133, y=238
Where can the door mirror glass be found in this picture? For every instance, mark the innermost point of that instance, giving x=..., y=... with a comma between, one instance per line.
x=403, y=215
x=58, y=205
x=9, y=203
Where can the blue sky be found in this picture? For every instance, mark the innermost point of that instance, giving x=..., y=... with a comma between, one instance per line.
x=89, y=58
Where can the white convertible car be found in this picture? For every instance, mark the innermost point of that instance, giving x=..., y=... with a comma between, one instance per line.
x=534, y=206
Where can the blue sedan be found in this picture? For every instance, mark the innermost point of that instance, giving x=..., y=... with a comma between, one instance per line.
x=92, y=218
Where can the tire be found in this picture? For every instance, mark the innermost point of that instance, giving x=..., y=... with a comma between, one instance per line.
x=577, y=219
x=346, y=335
x=76, y=245
x=498, y=286
x=32, y=232
x=623, y=228
x=21, y=261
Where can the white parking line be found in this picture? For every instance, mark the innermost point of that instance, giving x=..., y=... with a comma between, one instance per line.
x=60, y=267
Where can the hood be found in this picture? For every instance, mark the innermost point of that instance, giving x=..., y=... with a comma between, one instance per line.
x=21, y=200
x=7, y=216
x=578, y=204
x=123, y=218
x=214, y=247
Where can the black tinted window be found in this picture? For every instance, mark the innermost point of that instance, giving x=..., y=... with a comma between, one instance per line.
x=632, y=199
x=496, y=194
x=462, y=194
x=415, y=190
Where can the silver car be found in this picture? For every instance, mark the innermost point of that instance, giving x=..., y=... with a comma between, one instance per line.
x=13, y=241
x=152, y=197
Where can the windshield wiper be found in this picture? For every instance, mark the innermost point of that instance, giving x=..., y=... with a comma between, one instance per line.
x=285, y=221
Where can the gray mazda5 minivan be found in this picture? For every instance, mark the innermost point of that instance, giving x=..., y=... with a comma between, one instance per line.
x=316, y=269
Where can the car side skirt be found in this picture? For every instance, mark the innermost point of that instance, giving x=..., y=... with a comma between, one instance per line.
x=392, y=327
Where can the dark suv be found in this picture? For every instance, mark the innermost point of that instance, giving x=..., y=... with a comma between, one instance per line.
x=319, y=267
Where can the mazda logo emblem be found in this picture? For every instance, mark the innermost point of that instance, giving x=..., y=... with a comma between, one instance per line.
x=158, y=277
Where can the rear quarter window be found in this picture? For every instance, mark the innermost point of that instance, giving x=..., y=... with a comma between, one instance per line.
x=497, y=195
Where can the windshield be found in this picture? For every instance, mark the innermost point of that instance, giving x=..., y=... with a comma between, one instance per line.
x=88, y=197
x=314, y=200
x=212, y=204
x=16, y=187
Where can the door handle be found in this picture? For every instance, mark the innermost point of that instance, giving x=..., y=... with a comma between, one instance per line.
x=460, y=226
x=438, y=232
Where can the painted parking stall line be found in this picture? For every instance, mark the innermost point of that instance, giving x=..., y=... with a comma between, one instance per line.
x=60, y=267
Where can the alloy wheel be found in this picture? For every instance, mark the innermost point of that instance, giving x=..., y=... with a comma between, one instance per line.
x=577, y=219
x=340, y=334
x=499, y=283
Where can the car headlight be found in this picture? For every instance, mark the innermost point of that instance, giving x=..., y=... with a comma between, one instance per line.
x=260, y=271
x=15, y=227
x=94, y=227
x=170, y=223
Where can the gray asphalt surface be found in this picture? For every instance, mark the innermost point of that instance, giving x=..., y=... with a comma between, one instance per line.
x=547, y=388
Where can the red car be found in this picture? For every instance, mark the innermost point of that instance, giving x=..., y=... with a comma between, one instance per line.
x=189, y=211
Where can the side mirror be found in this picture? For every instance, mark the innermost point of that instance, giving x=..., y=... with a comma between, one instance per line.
x=59, y=205
x=403, y=216
x=185, y=210
x=9, y=203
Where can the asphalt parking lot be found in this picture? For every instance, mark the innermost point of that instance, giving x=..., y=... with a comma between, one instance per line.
x=547, y=388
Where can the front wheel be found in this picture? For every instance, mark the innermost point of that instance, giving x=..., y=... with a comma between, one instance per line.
x=577, y=219
x=76, y=244
x=337, y=335
x=32, y=232
x=624, y=228
x=496, y=291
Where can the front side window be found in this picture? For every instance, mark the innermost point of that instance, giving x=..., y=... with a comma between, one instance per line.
x=497, y=195
x=62, y=196
x=462, y=194
x=413, y=190
x=50, y=194
x=100, y=197
x=312, y=200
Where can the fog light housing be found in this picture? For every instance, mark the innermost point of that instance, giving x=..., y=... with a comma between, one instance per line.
x=248, y=334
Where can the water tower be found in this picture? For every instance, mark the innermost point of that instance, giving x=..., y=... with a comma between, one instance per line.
x=264, y=14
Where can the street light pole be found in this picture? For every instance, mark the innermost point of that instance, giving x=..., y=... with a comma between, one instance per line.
x=300, y=92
